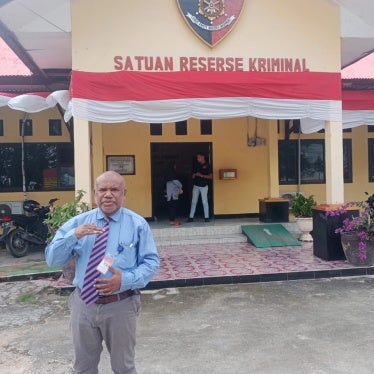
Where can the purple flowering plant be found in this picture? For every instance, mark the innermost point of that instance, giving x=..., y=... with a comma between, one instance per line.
x=363, y=225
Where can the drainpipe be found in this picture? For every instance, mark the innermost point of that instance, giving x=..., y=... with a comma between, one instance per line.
x=298, y=161
x=23, y=156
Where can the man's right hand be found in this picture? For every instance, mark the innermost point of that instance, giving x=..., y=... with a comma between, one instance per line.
x=87, y=229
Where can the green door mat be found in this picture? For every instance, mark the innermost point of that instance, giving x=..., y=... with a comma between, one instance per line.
x=274, y=235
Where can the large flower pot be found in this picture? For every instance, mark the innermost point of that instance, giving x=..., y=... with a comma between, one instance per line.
x=306, y=226
x=350, y=243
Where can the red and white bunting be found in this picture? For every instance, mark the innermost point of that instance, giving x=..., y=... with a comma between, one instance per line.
x=118, y=97
x=34, y=102
x=175, y=96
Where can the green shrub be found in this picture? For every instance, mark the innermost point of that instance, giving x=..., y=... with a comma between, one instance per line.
x=302, y=206
x=60, y=214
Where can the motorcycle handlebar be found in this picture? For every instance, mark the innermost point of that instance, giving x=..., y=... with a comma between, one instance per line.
x=52, y=201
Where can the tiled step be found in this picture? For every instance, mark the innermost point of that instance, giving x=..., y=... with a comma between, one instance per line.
x=188, y=230
x=201, y=239
x=200, y=233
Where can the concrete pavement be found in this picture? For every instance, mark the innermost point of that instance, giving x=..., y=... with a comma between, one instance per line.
x=307, y=326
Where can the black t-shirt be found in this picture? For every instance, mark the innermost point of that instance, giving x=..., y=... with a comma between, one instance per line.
x=205, y=170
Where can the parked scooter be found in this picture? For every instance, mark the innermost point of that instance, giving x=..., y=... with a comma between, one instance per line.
x=21, y=231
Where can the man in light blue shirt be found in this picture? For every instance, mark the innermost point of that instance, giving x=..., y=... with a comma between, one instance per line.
x=131, y=260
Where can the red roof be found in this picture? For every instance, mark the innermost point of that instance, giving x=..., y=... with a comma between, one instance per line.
x=362, y=69
x=10, y=64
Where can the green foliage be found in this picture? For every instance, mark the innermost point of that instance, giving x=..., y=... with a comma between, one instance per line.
x=302, y=205
x=60, y=214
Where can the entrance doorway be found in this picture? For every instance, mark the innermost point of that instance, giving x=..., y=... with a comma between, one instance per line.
x=184, y=156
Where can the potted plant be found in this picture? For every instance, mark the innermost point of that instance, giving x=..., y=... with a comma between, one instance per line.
x=357, y=232
x=301, y=208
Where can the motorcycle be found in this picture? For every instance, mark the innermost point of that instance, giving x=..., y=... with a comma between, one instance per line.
x=21, y=231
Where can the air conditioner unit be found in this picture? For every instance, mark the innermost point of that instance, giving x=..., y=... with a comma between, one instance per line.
x=289, y=196
x=8, y=207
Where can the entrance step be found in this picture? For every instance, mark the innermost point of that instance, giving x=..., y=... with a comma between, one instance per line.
x=205, y=233
x=201, y=239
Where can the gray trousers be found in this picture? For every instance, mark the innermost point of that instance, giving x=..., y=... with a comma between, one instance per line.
x=196, y=191
x=113, y=323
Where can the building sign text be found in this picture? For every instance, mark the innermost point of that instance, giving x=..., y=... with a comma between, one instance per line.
x=203, y=63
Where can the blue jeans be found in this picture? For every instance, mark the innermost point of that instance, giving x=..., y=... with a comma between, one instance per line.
x=196, y=191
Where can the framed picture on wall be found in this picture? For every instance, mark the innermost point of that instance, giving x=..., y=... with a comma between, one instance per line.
x=124, y=165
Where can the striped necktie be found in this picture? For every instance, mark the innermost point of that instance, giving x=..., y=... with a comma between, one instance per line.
x=89, y=294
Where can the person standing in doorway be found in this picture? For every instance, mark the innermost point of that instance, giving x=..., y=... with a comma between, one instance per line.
x=115, y=257
x=173, y=190
x=201, y=176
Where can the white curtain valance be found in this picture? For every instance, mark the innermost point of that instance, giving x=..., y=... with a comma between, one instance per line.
x=358, y=108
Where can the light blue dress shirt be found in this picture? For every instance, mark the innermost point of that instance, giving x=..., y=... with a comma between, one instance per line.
x=130, y=244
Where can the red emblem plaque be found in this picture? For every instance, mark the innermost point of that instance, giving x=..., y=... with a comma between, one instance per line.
x=211, y=20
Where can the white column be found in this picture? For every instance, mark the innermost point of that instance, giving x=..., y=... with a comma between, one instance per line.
x=82, y=156
x=334, y=162
x=273, y=158
x=97, y=150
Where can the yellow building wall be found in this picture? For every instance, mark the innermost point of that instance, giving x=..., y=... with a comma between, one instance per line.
x=318, y=190
x=40, y=124
x=266, y=28
x=131, y=139
x=356, y=190
x=230, y=150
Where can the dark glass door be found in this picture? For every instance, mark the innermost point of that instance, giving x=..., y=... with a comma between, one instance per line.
x=184, y=155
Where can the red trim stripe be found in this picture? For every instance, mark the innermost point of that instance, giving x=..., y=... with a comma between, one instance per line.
x=358, y=100
x=7, y=94
x=144, y=86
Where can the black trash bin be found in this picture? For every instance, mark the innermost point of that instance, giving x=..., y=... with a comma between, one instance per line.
x=273, y=210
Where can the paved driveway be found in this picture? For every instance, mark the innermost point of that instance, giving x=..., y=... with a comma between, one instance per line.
x=307, y=326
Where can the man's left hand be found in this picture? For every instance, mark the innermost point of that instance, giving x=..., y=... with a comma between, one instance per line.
x=107, y=286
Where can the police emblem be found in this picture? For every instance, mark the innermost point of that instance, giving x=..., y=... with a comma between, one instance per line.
x=211, y=9
x=211, y=20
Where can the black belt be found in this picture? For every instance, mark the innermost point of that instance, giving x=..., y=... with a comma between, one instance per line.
x=117, y=296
